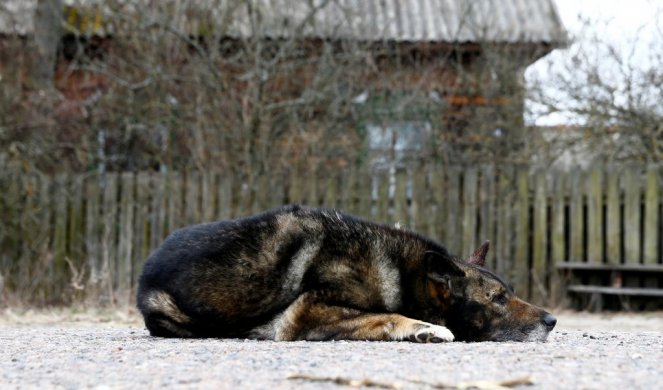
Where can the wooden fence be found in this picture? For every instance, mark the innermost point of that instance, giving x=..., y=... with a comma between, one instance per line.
x=86, y=236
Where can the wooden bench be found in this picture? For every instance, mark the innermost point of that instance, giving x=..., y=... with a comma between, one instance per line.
x=597, y=280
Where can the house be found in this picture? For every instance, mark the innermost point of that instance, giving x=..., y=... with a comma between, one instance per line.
x=453, y=67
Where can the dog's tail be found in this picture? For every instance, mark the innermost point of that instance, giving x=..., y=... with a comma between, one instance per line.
x=163, y=318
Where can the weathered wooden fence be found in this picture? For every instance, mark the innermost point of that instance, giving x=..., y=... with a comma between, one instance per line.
x=86, y=236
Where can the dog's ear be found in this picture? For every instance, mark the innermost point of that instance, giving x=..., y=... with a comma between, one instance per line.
x=479, y=256
x=441, y=267
x=442, y=270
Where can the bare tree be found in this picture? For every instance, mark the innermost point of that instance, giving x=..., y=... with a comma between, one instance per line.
x=610, y=91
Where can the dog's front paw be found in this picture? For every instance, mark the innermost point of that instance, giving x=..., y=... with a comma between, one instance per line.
x=429, y=333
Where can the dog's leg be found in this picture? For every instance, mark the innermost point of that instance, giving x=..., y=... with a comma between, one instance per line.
x=309, y=319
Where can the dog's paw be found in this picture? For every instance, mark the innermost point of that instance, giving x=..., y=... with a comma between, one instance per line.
x=429, y=333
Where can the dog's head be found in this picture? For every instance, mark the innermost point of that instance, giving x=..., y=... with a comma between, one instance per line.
x=478, y=305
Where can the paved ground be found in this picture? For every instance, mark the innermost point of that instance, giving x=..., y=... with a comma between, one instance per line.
x=111, y=351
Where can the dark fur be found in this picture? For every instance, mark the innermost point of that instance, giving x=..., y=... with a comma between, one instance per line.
x=315, y=274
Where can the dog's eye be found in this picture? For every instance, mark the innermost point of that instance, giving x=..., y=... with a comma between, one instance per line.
x=500, y=299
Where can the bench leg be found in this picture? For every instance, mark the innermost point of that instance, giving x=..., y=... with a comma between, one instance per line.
x=595, y=302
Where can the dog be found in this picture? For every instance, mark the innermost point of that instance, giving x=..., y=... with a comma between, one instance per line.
x=299, y=273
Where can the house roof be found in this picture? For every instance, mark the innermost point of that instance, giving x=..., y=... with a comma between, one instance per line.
x=507, y=21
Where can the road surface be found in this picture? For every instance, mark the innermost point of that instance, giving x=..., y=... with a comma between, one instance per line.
x=583, y=352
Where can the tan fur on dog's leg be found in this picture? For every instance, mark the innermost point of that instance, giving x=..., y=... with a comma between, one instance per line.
x=308, y=319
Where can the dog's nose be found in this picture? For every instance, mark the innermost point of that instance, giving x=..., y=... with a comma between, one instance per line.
x=549, y=321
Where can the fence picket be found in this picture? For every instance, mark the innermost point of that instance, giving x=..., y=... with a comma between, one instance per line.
x=175, y=218
x=75, y=225
x=632, y=195
x=158, y=209
x=651, y=217
x=557, y=244
x=312, y=194
x=93, y=237
x=401, y=214
x=437, y=211
x=420, y=196
x=613, y=218
x=348, y=189
x=453, y=238
x=595, y=216
x=364, y=193
x=576, y=220
x=505, y=222
x=382, y=193
x=651, y=223
x=521, y=255
x=109, y=241
x=487, y=212
x=539, y=239
x=126, y=233
x=469, y=223
x=141, y=244
x=192, y=214
x=224, y=188
x=59, y=270
x=208, y=197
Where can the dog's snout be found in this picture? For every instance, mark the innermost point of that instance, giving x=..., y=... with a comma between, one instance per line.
x=549, y=321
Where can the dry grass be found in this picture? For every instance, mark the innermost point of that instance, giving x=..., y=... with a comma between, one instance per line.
x=70, y=316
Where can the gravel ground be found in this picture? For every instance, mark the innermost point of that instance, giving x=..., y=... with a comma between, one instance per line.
x=585, y=351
